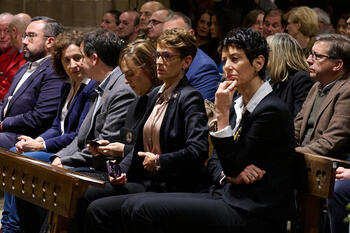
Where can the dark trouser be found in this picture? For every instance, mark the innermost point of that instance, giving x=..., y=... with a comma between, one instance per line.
x=190, y=212
x=336, y=206
x=32, y=217
x=172, y=212
x=94, y=193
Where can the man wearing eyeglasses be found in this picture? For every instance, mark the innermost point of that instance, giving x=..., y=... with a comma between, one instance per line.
x=323, y=124
x=31, y=103
x=30, y=106
x=155, y=25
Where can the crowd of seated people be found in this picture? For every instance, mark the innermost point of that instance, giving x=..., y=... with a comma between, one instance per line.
x=130, y=96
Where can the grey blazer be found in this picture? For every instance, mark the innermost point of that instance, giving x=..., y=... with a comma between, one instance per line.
x=106, y=123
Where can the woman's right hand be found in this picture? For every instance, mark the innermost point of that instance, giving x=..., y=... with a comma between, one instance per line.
x=223, y=101
x=118, y=180
x=249, y=175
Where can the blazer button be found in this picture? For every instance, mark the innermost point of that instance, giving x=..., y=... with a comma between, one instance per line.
x=1, y=73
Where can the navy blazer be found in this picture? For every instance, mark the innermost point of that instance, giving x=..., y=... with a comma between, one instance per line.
x=183, y=142
x=203, y=75
x=33, y=108
x=266, y=140
x=293, y=92
x=54, y=139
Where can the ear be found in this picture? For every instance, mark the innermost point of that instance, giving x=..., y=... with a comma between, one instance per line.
x=191, y=31
x=258, y=63
x=338, y=65
x=187, y=62
x=49, y=42
x=94, y=58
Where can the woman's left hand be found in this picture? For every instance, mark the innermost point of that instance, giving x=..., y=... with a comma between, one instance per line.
x=149, y=162
x=249, y=175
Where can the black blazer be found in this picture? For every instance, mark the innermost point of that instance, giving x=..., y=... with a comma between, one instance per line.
x=183, y=141
x=266, y=140
x=293, y=92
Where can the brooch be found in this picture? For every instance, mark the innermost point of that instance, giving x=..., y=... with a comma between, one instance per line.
x=237, y=134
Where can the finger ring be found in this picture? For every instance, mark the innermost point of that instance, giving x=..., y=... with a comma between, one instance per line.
x=252, y=176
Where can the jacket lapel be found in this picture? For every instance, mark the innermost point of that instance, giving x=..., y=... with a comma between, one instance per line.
x=329, y=98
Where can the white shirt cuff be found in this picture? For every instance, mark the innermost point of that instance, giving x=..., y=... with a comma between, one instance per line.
x=224, y=133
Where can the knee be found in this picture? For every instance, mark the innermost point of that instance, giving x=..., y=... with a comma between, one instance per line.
x=341, y=195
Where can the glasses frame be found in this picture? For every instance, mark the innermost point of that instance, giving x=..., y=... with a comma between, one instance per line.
x=316, y=56
x=154, y=22
x=165, y=55
x=32, y=35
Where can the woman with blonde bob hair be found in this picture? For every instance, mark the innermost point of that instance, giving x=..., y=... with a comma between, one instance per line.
x=138, y=63
x=289, y=71
x=302, y=24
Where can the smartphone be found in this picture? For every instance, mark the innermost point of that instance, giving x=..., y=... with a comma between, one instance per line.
x=113, y=168
x=93, y=143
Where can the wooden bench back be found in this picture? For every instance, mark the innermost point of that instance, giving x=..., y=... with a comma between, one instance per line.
x=53, y=188
x=317, y=174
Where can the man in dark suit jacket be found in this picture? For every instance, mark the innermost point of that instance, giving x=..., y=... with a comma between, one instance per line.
x=30, y=106
x=107, y=114
x=104, y=120
x=31, y=103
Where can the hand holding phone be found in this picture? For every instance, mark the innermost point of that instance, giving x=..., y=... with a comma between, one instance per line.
x=113, y=168
x=93, y=143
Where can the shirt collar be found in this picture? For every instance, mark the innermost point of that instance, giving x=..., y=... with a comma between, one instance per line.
x=324, y=90
x=260, y=94
x=38, y=62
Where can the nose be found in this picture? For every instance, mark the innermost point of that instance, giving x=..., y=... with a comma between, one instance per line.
x=159, y=60
x=102, y=25
x=310, y=60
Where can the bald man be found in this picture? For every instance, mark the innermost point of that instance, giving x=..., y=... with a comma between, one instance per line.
x=128, y=26
x=155, y=27
x=5, y=42
x=12, y=59
x=146, y=11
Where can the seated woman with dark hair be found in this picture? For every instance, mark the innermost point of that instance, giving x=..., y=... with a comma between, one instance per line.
x=76, y=94
x=289, y=71
x=171, y=144
x=251, y=164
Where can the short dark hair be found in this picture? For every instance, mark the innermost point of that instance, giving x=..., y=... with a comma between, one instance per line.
x=339, y=47
x=107, y=45
x=251, y=42
x=52, y=27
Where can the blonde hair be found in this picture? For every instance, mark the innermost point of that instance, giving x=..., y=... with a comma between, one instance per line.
x=286, y=55
x=142, y=53
x=306, y=17
x=179, y=39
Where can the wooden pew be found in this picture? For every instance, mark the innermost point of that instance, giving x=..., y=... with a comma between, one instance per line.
x=53, y=188
x=315, y=181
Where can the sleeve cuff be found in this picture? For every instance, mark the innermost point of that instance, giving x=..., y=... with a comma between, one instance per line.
x=225, y=132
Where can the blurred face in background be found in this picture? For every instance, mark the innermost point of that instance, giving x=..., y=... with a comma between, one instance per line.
x=5, y=39
x=259, y=24
x=272, y=25
x=109, y=23
x=203, y=25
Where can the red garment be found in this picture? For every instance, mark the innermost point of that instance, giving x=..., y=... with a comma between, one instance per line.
x=10, y=62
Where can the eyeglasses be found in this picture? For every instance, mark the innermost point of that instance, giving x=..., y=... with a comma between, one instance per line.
x=31, y=35
x=166, y=56
x=154, y=22
x=315, y=56
x=6, y=31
